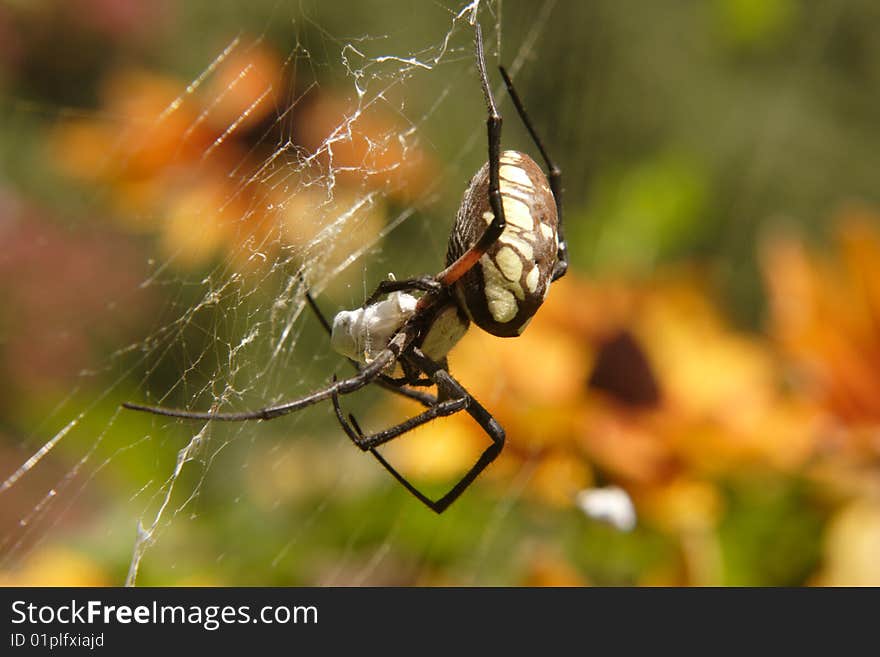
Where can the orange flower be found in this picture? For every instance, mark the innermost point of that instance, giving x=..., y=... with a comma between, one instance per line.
x=643, y=385
x=826, y=316
x=364, y=146
x=165, y=155
x=207, y=165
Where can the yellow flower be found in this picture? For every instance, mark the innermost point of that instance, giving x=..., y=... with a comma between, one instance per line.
x=645, y=385
x=56, y=565
x=851, y=547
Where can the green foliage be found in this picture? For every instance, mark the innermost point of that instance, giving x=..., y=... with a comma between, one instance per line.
x=756, y=23
x=644, y=215
x=771, y=533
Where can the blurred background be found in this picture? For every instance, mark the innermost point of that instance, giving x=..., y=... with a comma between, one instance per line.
x=176, y=175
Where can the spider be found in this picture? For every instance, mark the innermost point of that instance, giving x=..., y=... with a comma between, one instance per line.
x=505, y=250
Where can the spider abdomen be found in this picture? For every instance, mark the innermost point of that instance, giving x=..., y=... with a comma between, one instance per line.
x=506, y=287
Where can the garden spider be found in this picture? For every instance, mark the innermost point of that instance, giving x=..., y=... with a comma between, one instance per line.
x=505, y=250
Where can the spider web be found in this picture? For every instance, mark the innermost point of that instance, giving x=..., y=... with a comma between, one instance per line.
x=296, y=212
x=274, y=147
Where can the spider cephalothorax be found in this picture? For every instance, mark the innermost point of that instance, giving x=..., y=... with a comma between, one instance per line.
x=362, y=333
x=505, y=250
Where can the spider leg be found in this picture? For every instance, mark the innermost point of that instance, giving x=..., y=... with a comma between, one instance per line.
x=368, y=443
x=411, y=375
x=315, y=309
x=364, y=376
x=493, y=231
x=487, y=423
x=459, y=399
x=410, y=378
x=419, y=495
x=554, y=175
x=405, y=381
x=423, y=283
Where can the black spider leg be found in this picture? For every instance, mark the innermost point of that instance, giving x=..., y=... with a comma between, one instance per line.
x=410, y=376
x=458, y=399
x=366, y=375
x=424, y=283
x=493, y=129
x=435, y=284
x=554, y=175
x=384, y=381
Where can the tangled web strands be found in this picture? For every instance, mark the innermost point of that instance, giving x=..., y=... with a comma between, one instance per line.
x=273, y=172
